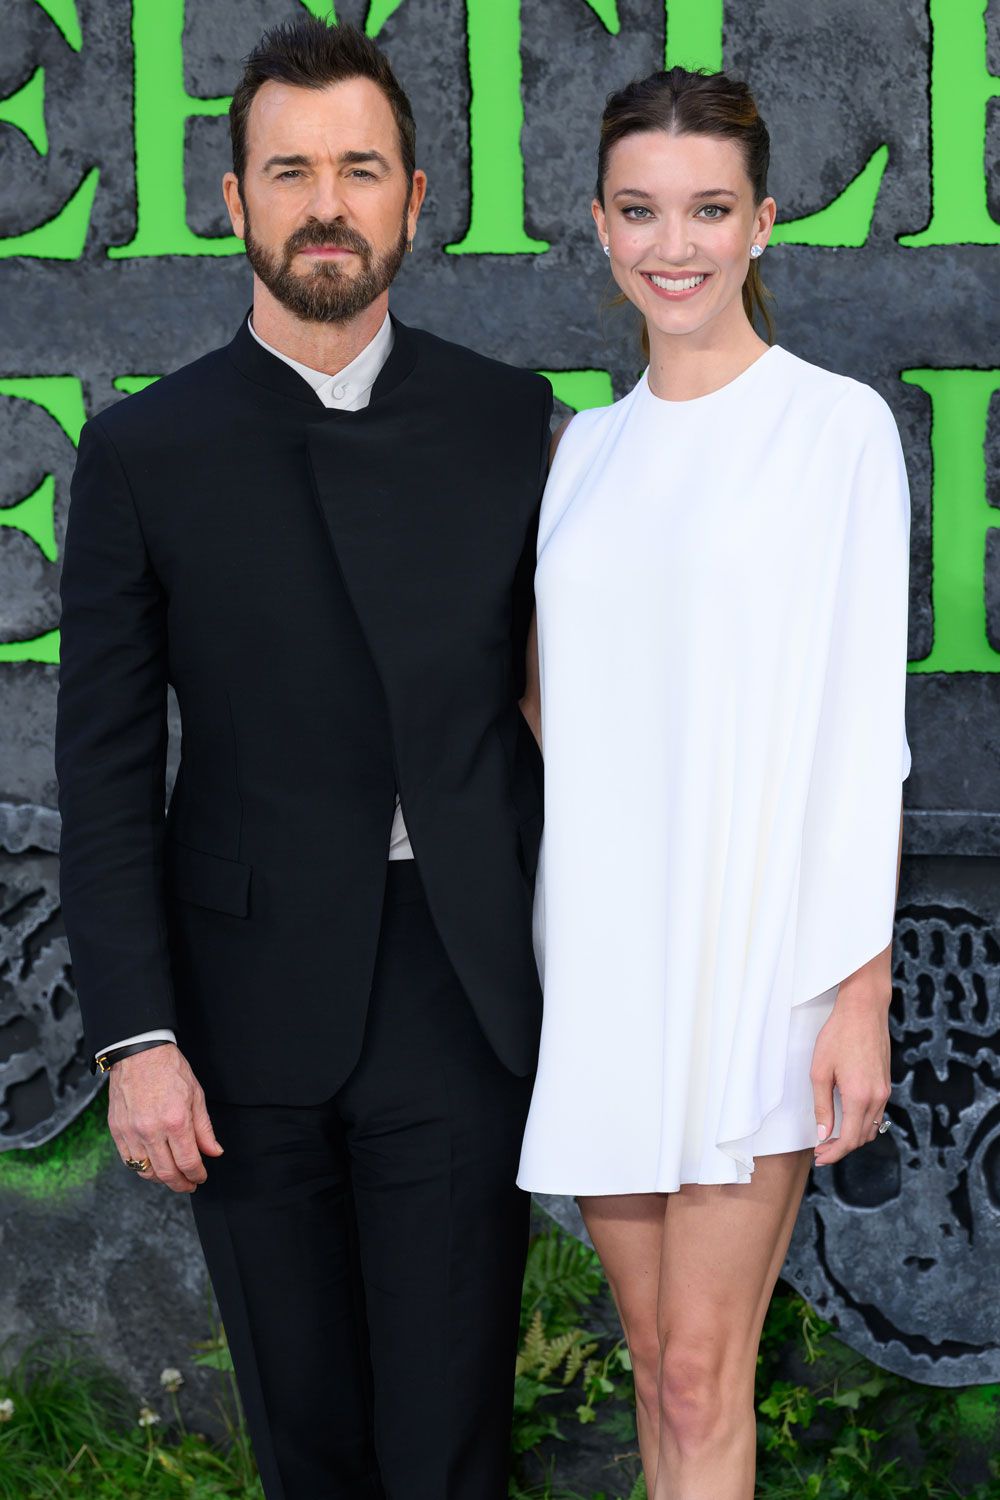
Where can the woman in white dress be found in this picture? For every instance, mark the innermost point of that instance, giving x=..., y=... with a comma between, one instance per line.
x=718, y=690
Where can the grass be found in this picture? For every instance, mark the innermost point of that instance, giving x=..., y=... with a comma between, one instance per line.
x=74, y=1431
x=831, y=1425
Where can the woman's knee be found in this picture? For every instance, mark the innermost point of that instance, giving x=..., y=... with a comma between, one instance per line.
x=692, y=1393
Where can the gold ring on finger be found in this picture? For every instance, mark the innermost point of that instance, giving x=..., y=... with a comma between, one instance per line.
x=142, y=1164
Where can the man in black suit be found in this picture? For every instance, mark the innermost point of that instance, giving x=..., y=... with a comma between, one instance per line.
x=322, y=535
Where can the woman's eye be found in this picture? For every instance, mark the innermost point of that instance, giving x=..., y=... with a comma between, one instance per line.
x=635, y=208
x=714, y=211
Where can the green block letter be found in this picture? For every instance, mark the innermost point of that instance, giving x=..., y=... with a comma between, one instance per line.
x=694, y=40
x=496, y=116
x=694, y=34
x=162, y=108
x=580, y=389
x=960, y=518
x=61, y=396
x=961, y=87
x=845, y=221
x=63, y=13
x=63, y=236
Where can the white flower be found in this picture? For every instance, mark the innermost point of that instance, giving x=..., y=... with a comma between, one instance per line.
x=6, y=1409
x=171, y=1379
x=147, y=1417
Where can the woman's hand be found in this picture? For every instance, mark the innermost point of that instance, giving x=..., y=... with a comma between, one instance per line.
x=852, y=1051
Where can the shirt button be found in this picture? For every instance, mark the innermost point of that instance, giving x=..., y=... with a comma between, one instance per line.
x=341, y=392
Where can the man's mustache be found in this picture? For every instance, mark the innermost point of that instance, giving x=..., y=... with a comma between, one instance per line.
x=341, y=236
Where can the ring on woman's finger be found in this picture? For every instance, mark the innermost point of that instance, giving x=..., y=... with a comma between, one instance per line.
x=882, y=1125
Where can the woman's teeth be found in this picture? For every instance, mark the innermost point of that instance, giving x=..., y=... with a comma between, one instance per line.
x=666, y=284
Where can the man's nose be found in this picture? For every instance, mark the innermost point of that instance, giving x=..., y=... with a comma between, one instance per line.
x=326, y=201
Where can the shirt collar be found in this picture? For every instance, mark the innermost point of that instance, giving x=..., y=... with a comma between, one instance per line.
x=354, y=380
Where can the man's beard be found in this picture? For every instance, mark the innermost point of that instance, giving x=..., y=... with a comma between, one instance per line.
x=325, y=293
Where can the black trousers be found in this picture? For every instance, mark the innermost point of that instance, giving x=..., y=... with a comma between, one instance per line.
x=367, y=1253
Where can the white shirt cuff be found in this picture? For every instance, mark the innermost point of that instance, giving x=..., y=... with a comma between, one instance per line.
x=142, y=1036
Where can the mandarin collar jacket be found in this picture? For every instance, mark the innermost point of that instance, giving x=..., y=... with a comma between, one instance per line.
x=265, y=369
x=340, y=601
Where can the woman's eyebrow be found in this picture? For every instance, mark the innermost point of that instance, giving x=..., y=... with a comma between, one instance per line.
x=630, y=192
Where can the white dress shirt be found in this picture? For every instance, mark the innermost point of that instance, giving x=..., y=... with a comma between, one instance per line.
x=349, y=390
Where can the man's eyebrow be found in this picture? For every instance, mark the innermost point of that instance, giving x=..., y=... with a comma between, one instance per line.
x=355, y=158
x=346, y=159
x=286, y=161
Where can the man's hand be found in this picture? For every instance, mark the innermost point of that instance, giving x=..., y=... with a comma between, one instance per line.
x=156, y=1109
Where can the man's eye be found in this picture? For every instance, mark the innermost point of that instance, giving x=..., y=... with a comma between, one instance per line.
x=290, y=172
x=363, y=172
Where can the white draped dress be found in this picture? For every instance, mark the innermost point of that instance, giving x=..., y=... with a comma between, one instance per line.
x=722, y=602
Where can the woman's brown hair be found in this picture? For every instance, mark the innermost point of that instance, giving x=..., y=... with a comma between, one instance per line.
x=695, y=103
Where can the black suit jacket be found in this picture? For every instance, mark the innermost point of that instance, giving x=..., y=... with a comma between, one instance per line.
x=340, y=600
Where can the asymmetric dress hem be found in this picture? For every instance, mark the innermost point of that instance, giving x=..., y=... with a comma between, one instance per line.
x=721, y=601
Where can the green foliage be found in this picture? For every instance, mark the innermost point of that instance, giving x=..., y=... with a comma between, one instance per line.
x=561, y=1278
x=831, y=1425
x=566, y=1375
x=72, y=1429
x=842, y=1427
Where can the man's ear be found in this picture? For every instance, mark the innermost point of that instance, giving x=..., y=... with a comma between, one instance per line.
x=233, y=202
x=417, y=195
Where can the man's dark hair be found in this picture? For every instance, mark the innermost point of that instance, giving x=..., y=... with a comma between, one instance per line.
x=310, y=54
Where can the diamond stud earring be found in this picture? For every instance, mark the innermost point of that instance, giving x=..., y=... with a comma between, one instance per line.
x=756, y=251
x=607, y=249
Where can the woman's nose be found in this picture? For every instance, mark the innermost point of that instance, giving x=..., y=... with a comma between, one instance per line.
x=675, y=244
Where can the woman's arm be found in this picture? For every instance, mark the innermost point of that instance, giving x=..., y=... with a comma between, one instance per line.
x=852, y=1051
x=531, y=703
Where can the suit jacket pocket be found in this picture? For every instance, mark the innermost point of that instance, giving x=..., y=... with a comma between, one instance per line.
x=206, y=880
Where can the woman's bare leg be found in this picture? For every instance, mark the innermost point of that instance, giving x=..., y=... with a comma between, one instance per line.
x=692, y=1275
x=722, y=1249
x=627, y=1231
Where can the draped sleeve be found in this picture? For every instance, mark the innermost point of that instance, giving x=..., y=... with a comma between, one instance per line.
x=847, y=885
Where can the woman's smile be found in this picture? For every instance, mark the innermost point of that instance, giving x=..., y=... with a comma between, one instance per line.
x=676, y=288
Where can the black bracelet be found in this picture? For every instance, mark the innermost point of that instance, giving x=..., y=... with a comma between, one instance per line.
x=107, y=1060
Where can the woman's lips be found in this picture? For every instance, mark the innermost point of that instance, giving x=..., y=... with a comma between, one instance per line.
x=676, y=288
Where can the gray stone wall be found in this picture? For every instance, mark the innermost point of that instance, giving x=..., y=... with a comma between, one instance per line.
x=900, y=1247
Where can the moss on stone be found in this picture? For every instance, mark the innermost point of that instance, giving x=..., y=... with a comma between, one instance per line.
x=55, y=1171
